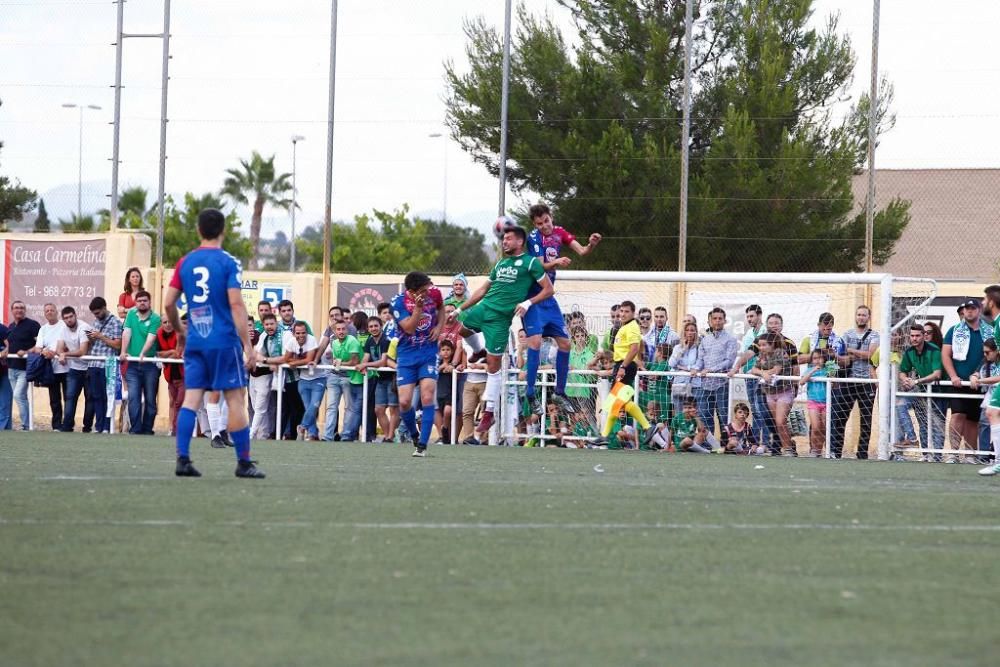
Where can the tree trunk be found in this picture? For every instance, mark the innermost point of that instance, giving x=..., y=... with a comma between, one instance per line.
x=258, y=213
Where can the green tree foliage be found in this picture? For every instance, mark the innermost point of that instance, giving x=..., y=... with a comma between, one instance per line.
x=87, y=224
x=257, y=185
x=380, y=243
x=595, y=130
x=42, y=222
x=180, y=228
x=15, y=200
x=460, y=249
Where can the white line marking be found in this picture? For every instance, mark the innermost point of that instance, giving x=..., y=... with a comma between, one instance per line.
x=92, y=478
x=413, y=525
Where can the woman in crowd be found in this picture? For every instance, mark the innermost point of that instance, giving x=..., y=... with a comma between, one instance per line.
x=772, y=362
x=580, y=356
x=684, y=358
x=133, y=285
x=932, y=334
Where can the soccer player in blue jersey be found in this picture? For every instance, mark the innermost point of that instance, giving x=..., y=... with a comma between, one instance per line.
x=419, y=315
x=217, y=350
x=545, y=242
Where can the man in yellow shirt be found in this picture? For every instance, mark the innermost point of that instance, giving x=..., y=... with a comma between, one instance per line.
x=626, y=346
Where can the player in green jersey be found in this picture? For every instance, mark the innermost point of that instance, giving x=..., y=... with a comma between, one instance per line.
x=491, y=308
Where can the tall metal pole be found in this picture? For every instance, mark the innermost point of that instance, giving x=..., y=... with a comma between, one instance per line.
x=291, y=259
x=504, y=98
x=872, y=136
x=117, y=122
x=328, y=214
x=444, y=197
x=79, y=171
x=685, y=141
x=164, y=80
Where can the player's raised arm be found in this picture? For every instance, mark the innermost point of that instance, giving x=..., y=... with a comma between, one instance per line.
x=582, y=250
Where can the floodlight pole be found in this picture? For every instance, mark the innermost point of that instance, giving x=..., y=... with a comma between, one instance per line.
x=295, y=140
x=327, y=215
x=116, y=121
x=79, y=164
x=161, y=193
x=504, y=102
x=872, y=137
x=685, y=141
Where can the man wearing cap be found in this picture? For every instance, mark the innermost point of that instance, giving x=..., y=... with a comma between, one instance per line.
x=961, y=356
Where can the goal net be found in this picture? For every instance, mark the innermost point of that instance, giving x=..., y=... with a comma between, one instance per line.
x=663, y=301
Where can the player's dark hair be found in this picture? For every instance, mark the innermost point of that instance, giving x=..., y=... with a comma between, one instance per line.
x=360, y=320
x=445, y=342
x=538, y=210
x=382, y=306
x=415, y=280
x=518, y=232
x=754, y=308
x=68, y=310
x=266, y=317
x=826, y=318
x=97, y=303
x=143, y=294
x=211, y=224
x=285, y=302
x=917, y=327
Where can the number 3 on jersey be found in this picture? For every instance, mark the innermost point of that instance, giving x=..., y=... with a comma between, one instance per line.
x=201, y=283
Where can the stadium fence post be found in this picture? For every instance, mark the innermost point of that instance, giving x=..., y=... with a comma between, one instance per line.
x=885, y=370
x=363, y=433
x=829, y=418
x=281, y=398
x=454, y=406
x=31, y=405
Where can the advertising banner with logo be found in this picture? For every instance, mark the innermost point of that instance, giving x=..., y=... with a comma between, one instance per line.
x=66, y=273
x=362, y=296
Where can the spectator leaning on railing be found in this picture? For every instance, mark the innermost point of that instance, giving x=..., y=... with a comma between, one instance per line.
x=921, y=364
x=143, y=377
x=859, y=342
x=22, y=332
x=74, y=343
x=173, y=373
x=718, y=350
x=263, y=380
x=46, y=345
x=105, y=341
x=961, y=356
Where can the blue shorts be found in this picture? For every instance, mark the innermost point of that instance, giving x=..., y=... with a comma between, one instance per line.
x=385, y=393
x=214, y=370
x=545, y=319
x=412, y=366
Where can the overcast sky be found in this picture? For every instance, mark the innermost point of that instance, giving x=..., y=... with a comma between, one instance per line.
x=248, y=74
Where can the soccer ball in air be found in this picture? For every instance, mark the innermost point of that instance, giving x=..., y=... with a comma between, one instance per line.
x=503, y=223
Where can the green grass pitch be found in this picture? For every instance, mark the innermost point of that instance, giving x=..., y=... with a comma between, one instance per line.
x=352, y=554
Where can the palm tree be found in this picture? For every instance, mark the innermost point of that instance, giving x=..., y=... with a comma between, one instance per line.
x=256, y=180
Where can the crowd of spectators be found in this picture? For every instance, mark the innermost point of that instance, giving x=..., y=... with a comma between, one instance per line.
x=684, y=384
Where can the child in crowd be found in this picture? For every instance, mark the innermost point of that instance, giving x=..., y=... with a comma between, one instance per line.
x=689, y=433
x=737, y=436
x=658, y=386
x=816, y=401
x=442, y=419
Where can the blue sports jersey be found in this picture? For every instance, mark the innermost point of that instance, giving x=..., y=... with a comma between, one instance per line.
x=402, y=306
x=548, y=249
x=205, y=275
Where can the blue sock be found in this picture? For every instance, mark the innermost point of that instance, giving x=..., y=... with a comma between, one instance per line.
x=531, y=370
x=410, y=421
x=562, y=371
x=426, y=424
x=241, y=442
x=186, y=419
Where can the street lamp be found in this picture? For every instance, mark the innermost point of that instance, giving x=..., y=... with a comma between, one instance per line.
x=79, y=169
x=444, y=202
x=296, y=138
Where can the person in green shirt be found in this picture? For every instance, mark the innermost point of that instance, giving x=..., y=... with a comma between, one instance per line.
x=141, y=377
x=492, y=307
x=689, y=434
x=345, y=350
x=580, y=355
x=656, y=395
x=920, y=365
x=459, y=291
